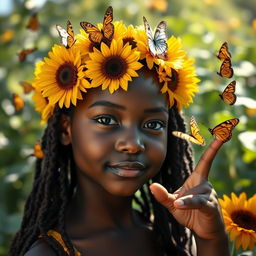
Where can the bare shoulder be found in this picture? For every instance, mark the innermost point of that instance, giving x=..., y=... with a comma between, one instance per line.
x=40, y=248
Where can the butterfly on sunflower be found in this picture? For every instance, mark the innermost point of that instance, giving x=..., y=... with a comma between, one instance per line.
x=223, y=52
x=157, y=43
x=33, y=23
x=195, y=135
x=22, y=55
x=67, y=36
x=226, y=69
x=27, y=87
x=105, y=34
x=223, y=131
x=228, y=95
x=18, y=102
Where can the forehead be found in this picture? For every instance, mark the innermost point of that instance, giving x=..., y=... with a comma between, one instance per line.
x=142, y=92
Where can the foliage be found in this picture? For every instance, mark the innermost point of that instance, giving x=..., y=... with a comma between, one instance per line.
x=203, y=27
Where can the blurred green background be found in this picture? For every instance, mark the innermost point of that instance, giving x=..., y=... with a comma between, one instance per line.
x=202, y=25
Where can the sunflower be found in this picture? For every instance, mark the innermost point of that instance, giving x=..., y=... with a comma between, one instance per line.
x=240, y=219
x=181, y=85
x=112, y=67
x=84, y=45
x=174, y=57
x=42, y=106
x=61, y=78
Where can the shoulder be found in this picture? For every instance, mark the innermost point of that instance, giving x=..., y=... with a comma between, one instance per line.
x=40, y=248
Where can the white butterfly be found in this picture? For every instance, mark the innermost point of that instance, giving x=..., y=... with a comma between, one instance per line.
x=67, y=36
x=158, y=43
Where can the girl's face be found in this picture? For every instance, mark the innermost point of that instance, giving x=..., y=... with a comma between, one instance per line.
x=119, y=140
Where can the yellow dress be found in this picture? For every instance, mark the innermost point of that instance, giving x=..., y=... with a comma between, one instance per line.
x=58, y=238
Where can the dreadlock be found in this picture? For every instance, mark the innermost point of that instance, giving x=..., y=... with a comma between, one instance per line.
x=54, y=185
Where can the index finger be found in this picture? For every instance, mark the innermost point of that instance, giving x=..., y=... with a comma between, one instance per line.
x=204, y=164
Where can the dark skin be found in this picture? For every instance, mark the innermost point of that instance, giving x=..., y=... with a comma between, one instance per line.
x=119, y=143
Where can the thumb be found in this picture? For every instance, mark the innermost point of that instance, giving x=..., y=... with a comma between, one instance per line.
x=162, y=196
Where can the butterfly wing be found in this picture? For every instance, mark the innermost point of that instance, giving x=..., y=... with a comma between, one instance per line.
x=228, y=94
x=63, y=35
x=223, y=131
x=160, y=40
x=33, y=23
x=226, y=69
x=18, y=102
x=27, y=87
x=23, y=54
x=95, y=35
x=199, y=139
x=71, y=36
x=108, y=27
x=151, y=44
x=38, y=152
x=223, y=52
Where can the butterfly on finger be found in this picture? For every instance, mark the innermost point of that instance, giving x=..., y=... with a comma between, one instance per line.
x=194, y=137
x=223, y=131
x=157, y=43
x=228, y=95
x=67, y=36
x=105, y=34
x=224, y=52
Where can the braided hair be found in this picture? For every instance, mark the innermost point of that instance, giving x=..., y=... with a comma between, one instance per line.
x=55, y=181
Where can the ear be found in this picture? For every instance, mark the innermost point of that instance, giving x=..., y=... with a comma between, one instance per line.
x=65, y=130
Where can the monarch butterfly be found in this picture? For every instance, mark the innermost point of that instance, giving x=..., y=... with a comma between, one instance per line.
x=23, y=54
x=223, y=52
x=194, y=137
x=67, y=36
x=18, y=102
x=33, y=23
x=225, y=69
x=157, y=44
x=228, y=94
x=106, y=33
x=223, y=131
x=38, y=152
x=27, y=87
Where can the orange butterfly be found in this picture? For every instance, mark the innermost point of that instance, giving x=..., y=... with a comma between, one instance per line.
x=67, y=36
x=38, y=152
x=223, y=52
x=223, y=131
x=27, y=87
x=106, y=33
x=194, y=137
x=225, y=69
x=18, y=102
x=33, y=23
x=228, y=94
x=23, y=54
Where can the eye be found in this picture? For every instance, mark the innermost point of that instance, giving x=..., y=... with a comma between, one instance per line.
x=106, y=120
x=155, y=125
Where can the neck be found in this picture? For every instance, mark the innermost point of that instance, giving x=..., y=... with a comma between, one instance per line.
x=93, y=209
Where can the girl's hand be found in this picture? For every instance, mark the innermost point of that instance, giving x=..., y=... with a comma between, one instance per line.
x=195, y=204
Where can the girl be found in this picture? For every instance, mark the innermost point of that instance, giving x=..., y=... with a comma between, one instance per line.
x=113, y=180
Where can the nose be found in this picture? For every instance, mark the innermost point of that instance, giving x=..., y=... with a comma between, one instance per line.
x=130, y=141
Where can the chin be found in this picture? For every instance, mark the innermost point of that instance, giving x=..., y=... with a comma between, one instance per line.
x=124, y=190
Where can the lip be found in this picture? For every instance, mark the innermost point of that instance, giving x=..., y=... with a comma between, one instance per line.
x=127, y=169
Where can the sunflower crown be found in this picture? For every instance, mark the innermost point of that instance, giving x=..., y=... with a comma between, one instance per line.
x=109, y=55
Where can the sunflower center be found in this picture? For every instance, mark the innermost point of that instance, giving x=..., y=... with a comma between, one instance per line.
x=173, y=84
x=66, y=75
x=244, y=219
x=114, y=67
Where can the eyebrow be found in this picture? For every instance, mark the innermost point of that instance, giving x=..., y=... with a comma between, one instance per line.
x=114, y=105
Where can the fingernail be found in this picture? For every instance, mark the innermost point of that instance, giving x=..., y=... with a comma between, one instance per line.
x=179, y=202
